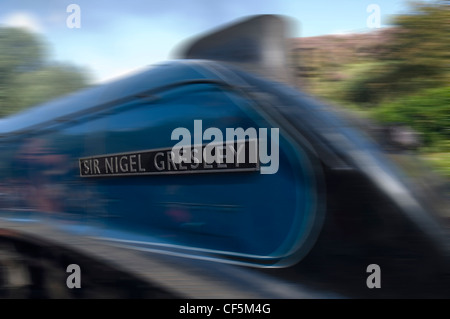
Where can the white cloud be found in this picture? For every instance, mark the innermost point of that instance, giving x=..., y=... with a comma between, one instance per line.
x=22, y=20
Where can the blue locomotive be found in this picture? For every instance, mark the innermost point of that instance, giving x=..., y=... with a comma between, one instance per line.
x=101, y=162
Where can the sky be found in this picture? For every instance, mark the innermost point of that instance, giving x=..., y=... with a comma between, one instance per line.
x=116, y=38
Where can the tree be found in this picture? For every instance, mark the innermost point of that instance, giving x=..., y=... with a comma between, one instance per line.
x=27, y=77
x=427, y=111
x=422, y=39
x=416, y=57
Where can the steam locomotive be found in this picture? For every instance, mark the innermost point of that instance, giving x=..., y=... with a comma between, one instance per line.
x=100, y=164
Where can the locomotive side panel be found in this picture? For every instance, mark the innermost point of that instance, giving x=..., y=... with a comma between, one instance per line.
x=233, y=213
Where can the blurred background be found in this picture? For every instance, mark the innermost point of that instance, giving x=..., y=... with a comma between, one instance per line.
x=388, y=61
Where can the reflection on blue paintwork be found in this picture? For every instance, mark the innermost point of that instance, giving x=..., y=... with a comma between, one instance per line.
x=241, y=214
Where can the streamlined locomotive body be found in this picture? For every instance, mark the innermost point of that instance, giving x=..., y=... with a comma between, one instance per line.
x=99, y=163
x=264, y=218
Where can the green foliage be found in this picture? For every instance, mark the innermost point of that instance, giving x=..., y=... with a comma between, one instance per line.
x=20, y=51
x=418, y=54
x=45, y=83
x=388, y=80
x=440, y=162
x=27, y=77
x=412, y=56
x=428, y=112
x=423, y=37
x=365, y=84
